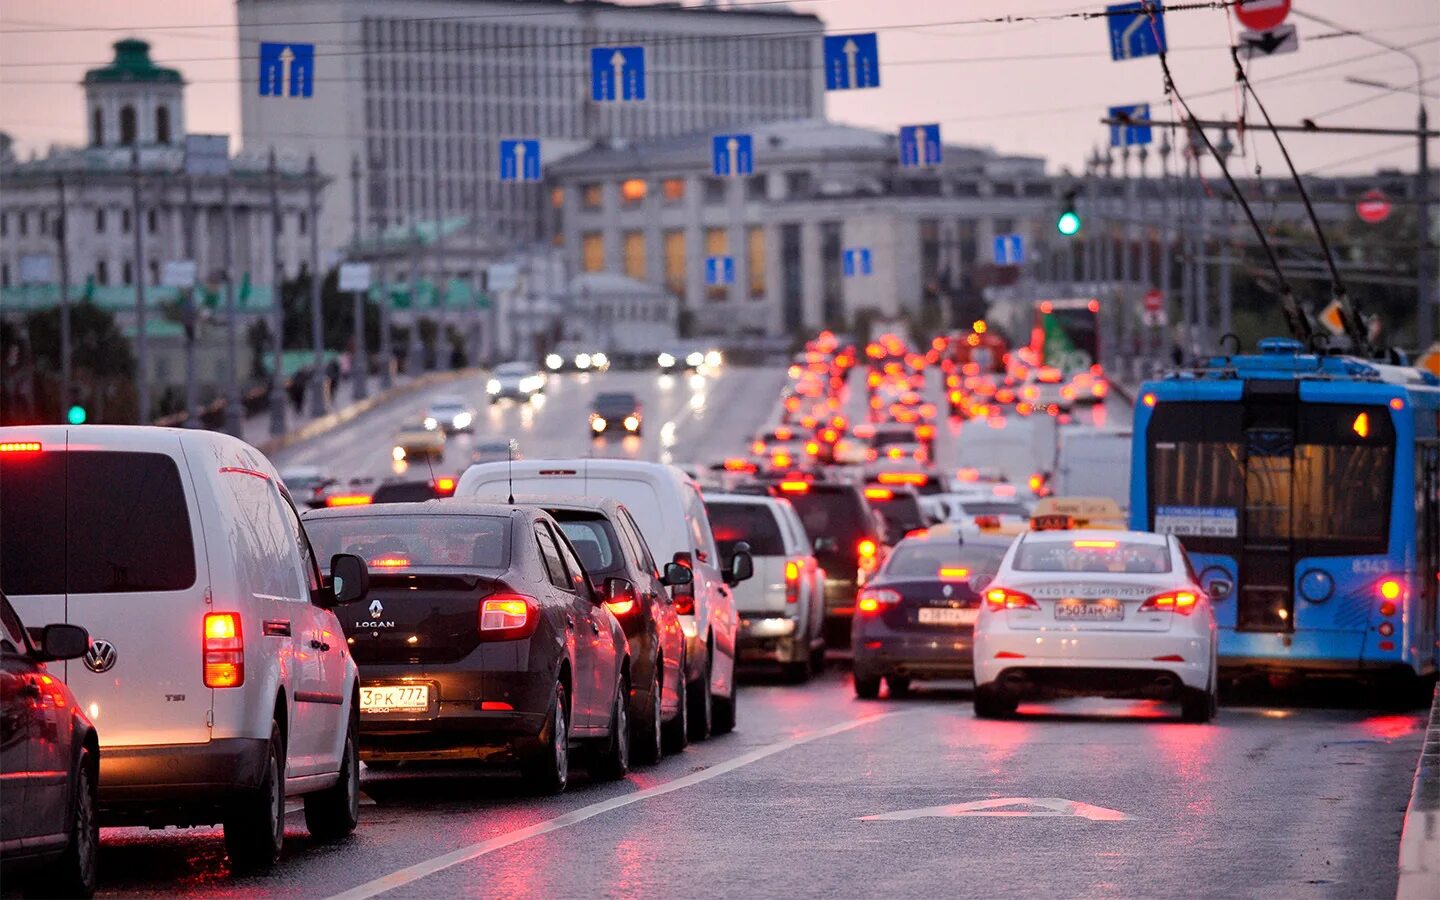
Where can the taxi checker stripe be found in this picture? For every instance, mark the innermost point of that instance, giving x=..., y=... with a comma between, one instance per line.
x=425, y=869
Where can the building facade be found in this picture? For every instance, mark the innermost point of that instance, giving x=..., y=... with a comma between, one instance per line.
x=421, y=93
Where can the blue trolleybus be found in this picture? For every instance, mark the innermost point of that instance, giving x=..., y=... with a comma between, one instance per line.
x=1307, y=491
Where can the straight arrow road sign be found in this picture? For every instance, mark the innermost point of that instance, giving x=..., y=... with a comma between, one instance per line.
x=719, y=270
x=287, y=70
x=852, y=61
x=855, y=262
x=520, y=160
x=732, y=154
x=617, y=74
x=920, y=145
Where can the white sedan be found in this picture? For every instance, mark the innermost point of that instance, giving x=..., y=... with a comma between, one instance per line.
x=1095, y=613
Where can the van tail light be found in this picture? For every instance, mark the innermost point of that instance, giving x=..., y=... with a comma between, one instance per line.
x=507, y=617
x=224, y=650
x=1003, y=598
x=445, y=486
x=1182, y=602
x=866, y=548
x=348, y=500
x=871, y=599
x=792, y=580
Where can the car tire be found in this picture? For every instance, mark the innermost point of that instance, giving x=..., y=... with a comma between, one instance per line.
x=727, y=710
x=867, y=687
x=73, y=874
x=993, y=703
x=548, y=769
x=702, y=705
x=899, y=687
x=675, y=734
x=647, y=743
x=255, y=823
x=817, y=660
x=612, y=763
x=333, y=813
x=1198, y=705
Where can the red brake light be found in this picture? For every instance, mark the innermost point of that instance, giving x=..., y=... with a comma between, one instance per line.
x=1094, y=545
x=812, y=447
x=224, y=651
x=866, y=548
x=505, y=617
x=953, y=573
x=348, y=500
x=1003, y=598
x=795, y=487
x=20, y=447
x=389, y=562
x=734, y=464
x=1397, y=404
x=445, y=485
x=1036, y=482
x=1182, y=602
x=1391, y=588
x=871, y=599
x=915, y=478
x=879, y=494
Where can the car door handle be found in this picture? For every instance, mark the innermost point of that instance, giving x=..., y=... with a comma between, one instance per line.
x=276, y=627
x=318, y=645
x=569, y=622
x=594, y=626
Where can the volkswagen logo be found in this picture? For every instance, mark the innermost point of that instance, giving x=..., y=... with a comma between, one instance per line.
x=376, y=609
x=100, y=657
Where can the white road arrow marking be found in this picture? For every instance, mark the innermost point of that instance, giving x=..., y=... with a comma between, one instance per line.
x=617, y=66
x=1005, y=807
x=287, y=56
x=850, y=50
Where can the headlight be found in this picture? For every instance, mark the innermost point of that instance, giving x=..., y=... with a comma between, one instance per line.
x=431, y=424
x=597, y=423
x=492, y=386
x=695, y=359
x=554, y=362
x=582, y=360
x=665, y=360
x=461, y=421
x=600, y=360
x=713, y=359
x=632, y=423
x=398, y=454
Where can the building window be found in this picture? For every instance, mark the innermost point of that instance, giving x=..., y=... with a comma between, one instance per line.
x=127, y=273
x=125, y=223
x=154, y=271
x=557, y=198
x=97, y=127
x=832, y=284
x=1004, y=226
x=675, y=262
x=673, y=190
x=592, y=196
x=717, y=243
x=4, y=275
x=44, y=222
x=797, y=184
x=755, y=187
x=792, y=274
x=592, y=252
x=152, y=221
x=303, y=223
x=24, y=223
x=100, y=220
x=755, y=260
x=714, y=190
x=162, y=125
x=632, y=191
x=127, y=125
x=633, y=246
x=4, y=224
x=102, y=272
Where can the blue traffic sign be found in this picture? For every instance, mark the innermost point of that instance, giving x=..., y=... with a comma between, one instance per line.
x=1128, y=135
x=1009, y=249
x=520, y=160
x=852, y=61
x=856, y=261
x=732, y=154
x=617, y=73
x=920, y=145
x=719, y=270
x=287, y=70
x=1133, y=34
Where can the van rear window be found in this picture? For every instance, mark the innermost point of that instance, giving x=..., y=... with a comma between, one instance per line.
x=93, y=522
x=752, y=523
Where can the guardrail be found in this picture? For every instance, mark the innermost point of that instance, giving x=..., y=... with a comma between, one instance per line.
x=1420, y=837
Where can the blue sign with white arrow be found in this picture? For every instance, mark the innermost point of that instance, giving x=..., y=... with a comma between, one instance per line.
x=920, y=145
x=1133, y=34
x=520, y=160
x=852, y=61
x=287, y=70
x=719, y=270
x=617, y=73
x=856, y=261
x=1134, y=133
x=1009, y=249
x=732, y=154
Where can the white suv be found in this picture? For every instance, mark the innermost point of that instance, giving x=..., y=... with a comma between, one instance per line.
x=218, y=677
x=666, y=505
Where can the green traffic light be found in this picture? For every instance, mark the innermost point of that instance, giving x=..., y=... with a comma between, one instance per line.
x=75, y=415
x=1068, y=224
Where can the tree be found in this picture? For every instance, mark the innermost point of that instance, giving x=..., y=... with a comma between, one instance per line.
x=102, y=366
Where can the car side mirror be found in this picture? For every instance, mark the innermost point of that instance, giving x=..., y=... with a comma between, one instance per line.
x=1219, y=588
x=676, y=575
x=742, y=565
x=826, y=545
x=59, y=642
x=349, y=578
x=978, y=583
x=616, y=590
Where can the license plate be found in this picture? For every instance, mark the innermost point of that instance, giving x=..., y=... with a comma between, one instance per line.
x=1090, y=611
x=395, y=698
x=945, y=616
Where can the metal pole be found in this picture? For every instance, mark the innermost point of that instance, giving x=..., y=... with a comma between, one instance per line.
x=1427, y=312
x=442, y=341
x=64, y=255
x=1167, y=255
x=191, y=313
x=142, y=348
x=359, y=358
x=1127, y=263
x=1087, y=259
x=415, y=360
x=1187, y=271
x=317, y=327
x=234, y=404
x=277, y=374
x=1147, y=282
x=1225, y=148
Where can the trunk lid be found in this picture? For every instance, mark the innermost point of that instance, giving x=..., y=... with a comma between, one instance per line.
x=417, y=618
x=764, y=593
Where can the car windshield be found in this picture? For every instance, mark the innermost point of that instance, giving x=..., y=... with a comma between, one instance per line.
x=389, y=543
x=514, y=368
x=933, y=559
x=993, y=509
x=1085, y=554
x=615, y=401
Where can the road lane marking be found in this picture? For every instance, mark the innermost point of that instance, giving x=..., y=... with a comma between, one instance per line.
x=409, y=874
x=1005, y=807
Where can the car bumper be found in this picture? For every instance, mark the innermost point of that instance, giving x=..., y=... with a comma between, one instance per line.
x=768, y=638
x=177, y=783
x=949, y=655
x=1183, y=656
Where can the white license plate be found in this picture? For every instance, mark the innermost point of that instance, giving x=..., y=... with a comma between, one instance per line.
x=946, y=616
x=1083, y=611
x=395, y=698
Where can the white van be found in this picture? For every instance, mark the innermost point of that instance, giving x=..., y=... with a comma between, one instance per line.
x=218, y=677
x=1094, y=462
x=667, y=506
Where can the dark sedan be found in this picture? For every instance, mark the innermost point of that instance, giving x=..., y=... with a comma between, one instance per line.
x=616, y=412
x=915, y=620
x=483, y=640
x=612, y=550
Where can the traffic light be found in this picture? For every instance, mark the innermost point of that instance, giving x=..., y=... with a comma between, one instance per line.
x=76, y=414
x=1068, y=224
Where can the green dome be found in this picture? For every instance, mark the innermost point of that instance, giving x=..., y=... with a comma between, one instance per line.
x=132, y=64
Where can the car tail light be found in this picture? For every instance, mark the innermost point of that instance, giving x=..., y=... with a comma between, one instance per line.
x=758, y=448
x=792, y=581
x=879, y=494
x=871, y=599
x=1003, y=598
x=914, y=478
x=507, y=617
x=1148, y=399
x=866, y=548
x=795, y=487
x=348, y=500
x=224, y=650
x=1391, y=588
x=1182, y=602
x=445, y=486
x=781, y=460
x=812, y=448
x=1037, y=481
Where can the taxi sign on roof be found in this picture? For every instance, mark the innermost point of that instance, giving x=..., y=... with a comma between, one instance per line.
x=1064, y=513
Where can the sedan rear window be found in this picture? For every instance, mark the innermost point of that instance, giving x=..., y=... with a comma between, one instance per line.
x=932, y=560
x=593, y=538
x=752, y=523
x=389, y=543
x=1093, y=555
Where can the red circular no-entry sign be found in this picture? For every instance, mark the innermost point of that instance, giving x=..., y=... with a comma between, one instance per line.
x=1373, y=207
x=1153, y=301
x=1262, y=15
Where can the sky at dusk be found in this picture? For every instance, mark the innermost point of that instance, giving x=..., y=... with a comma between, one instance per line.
x=1031, y=87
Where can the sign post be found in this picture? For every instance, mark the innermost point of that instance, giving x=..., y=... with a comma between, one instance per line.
x=355, y=277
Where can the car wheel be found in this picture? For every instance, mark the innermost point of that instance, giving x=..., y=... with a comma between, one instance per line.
x=613, y=761
x=334, y=812
x=702, y=703
x=548, y=770
x=675, y=734
x=817, y=660
x=255, y=823
x=867, y=687
x=899, y=687
x=993, y=703
x=1199, y=705
x=648, y=743
x=727, y=710
x=73, y=874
